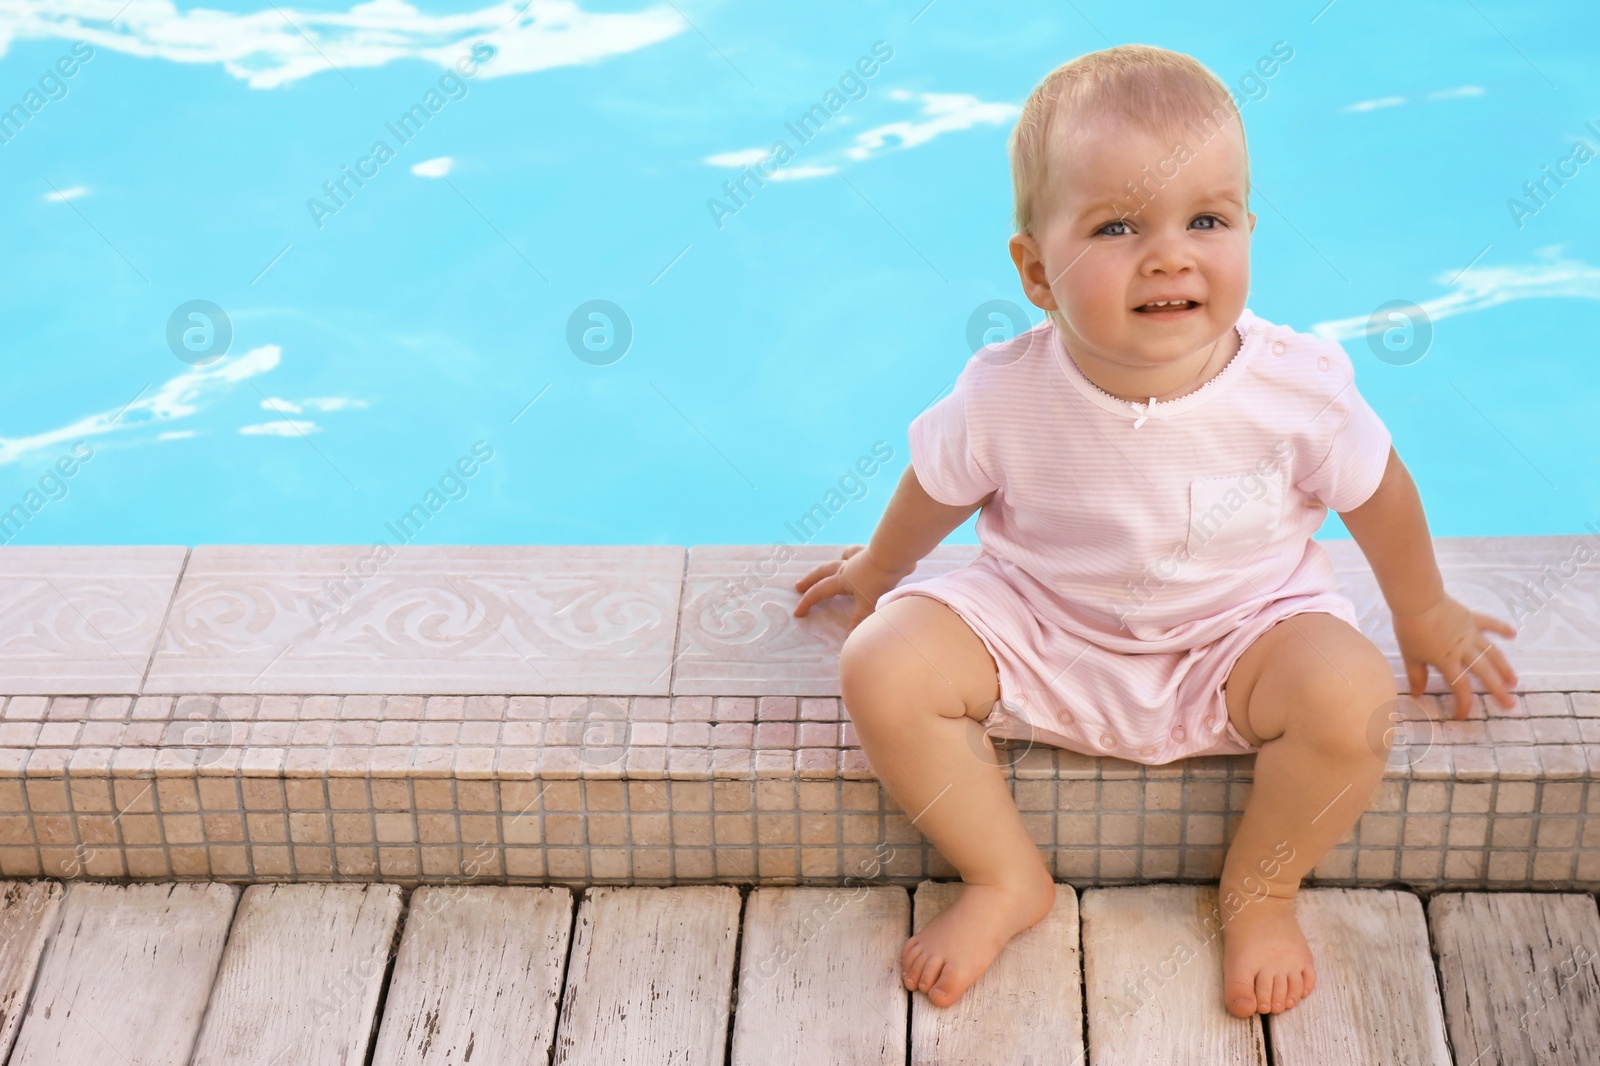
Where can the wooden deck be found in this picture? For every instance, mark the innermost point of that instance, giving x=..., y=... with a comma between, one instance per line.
x=204, y=973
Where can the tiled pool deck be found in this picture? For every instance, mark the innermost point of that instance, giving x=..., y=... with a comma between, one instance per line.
x=655, y=715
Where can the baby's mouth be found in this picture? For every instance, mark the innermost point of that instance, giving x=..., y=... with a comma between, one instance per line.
x=1167, y=307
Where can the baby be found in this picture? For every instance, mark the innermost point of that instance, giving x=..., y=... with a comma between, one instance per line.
x=1151, y=462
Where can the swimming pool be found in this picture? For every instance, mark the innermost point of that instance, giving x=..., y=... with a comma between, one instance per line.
x=564, y=303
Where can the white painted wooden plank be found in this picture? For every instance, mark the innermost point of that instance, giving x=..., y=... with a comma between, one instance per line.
x=28, y=912
x=819, y=978
x=1152, y=960
x=477, y=978
x=1376, y=998
x=1026, y=1009
x=1521, y=975
x=651, y=977
x=300, y=980
x=125, y=978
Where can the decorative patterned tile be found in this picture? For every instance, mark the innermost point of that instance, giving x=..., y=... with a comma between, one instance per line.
x=82, y=619
x=738, y=635
x=492, y=619
x=1547, y=587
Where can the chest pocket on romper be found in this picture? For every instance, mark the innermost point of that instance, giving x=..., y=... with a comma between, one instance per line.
x=1234, y=515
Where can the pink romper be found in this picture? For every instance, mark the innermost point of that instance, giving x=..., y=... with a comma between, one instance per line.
x=1133, y=551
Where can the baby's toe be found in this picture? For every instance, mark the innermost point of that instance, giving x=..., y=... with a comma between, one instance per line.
x=1240, y=996
x=948, y=988
x=1296, y=988
x=930, y=974
x=1264, y=992
x=908, y=960
x=911, y=964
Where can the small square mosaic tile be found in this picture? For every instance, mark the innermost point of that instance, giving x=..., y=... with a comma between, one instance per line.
x=699, y=789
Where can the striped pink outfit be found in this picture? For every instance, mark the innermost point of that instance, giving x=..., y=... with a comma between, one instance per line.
x=1133, y=551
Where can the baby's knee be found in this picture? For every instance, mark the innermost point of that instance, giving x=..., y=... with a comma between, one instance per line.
x=883, y=672
x=1347, y=707
x=873, y=668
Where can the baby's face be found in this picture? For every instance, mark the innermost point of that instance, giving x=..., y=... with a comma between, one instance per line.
x=1180, y=232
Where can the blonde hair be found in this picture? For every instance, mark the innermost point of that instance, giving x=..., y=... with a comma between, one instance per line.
x=1151, y=88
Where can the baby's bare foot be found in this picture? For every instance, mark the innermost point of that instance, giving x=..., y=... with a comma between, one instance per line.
x=953, y=950
x=1266, y=962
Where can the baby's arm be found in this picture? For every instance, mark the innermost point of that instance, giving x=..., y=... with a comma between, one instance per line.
x=1430, y=627
x=912, y=525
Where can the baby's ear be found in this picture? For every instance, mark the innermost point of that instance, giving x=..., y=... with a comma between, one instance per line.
x=1251, y=215
x=1025, y=253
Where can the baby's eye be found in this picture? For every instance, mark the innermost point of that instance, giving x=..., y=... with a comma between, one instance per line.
x=1203, y=218
x=1102, y=231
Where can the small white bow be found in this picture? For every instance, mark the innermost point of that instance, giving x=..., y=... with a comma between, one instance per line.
x=1143, y=409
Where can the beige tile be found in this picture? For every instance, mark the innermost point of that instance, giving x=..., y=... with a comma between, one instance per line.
x=147, y=863
x=19, y=734
x=475, y=796
x=357, y=862
x=738, y=632
x=82, y=619
x=1561, y=797
x=1472, y=762
x=525, y=863
x=398, y=862
x=263, y=761
x=566, y=863
x=1561, y=762
x=508, y=625
x=1553, y=866
x=26, y=708
x=1556, y=833
x=47, y=762
x=45, y=794
x=260, y=828
x=1507, y=866
x=1511, y=832
x=1555, y=650
x=223, y=828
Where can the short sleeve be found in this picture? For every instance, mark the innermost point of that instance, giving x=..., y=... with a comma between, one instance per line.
x=942, y=444
x=1358, y=453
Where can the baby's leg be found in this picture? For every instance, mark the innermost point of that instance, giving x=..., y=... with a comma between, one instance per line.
x=917, y=681
x=1307, y=693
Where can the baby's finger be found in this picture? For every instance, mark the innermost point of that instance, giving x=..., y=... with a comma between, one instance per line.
x=1417, y=675
x=1506, y=677
x=1488, y=671
x=1494, y=625
x=817, y=572
x=1459, y=679
x=828, y=586
x=1500, y=660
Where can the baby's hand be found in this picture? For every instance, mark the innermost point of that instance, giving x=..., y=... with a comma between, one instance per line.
x=1451, y=638
x=855, y=574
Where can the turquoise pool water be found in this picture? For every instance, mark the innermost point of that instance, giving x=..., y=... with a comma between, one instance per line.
x=419, y=325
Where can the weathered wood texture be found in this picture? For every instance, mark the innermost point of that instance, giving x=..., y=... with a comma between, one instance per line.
x=650, y=977
x=1152, y=963
x=126, y=976
x=478, y=977
x=301, y=976
x=1376, y=998
x=28, y=912
x=1027, y=1008
x=1521, y=976
x=819, y=978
